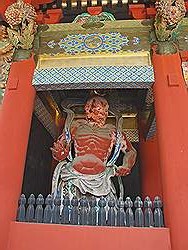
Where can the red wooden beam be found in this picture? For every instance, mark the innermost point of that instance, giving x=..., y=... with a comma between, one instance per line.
x=94, y=10
x=52, y=16
x=138, y=11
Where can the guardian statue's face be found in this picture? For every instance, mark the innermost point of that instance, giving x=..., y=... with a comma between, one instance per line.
x=96, y=110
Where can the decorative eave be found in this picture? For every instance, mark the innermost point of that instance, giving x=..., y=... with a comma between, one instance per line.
x=114, y=54
x=116, y=43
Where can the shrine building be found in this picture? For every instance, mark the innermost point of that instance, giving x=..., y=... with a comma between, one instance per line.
x=55, y=56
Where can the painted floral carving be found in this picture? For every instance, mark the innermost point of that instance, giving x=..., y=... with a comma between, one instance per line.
x=169, y=14
x=21, y=18
x=6, y=53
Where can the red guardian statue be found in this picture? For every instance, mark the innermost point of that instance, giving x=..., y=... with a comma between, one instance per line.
x=93, y=164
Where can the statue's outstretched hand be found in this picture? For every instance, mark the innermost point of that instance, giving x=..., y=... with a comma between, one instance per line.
x=59, y=150
x=122, y=171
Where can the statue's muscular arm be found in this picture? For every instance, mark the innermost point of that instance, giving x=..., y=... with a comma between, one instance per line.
x=128, y=159
x=60, y=149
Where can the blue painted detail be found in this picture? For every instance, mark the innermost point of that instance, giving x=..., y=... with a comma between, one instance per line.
x=68, y=140
x=135, y=40
x=116, y=150
x=92, y=43
x=67, y=136
x=115, y=156
x=132, y=75
x=51, y=44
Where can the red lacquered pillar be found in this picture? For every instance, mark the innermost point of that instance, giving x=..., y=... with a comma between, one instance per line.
x=150, y=169
x=171, y=107
x=15, y=119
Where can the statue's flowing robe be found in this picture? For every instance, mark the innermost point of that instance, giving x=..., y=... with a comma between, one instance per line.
x=65, y=178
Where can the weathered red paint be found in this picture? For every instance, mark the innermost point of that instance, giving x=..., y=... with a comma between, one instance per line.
x=171, y=102
x=25, y=236
x=15, y=119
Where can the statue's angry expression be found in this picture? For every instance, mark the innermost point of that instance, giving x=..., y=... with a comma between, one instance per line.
x=96, y=110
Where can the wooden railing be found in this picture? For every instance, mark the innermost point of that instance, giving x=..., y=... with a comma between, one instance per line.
x=92, y=211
